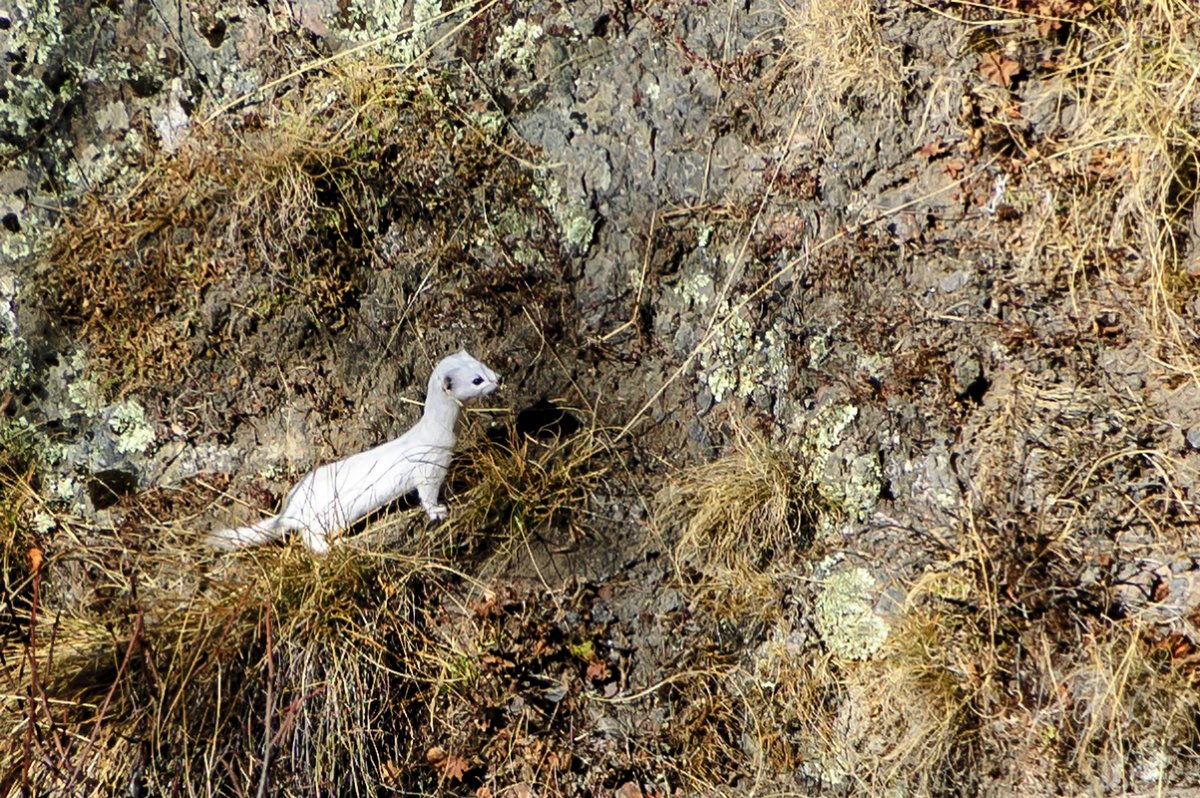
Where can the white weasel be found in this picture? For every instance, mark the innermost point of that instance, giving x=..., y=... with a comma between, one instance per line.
x=334, y=496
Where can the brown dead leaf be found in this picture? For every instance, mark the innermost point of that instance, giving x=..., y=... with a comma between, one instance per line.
x=486, y=609
x=453, y=768
x=628, y=790
x=955, y=167
x=933, y=149
x=492, y=663
x=998, y=68
x=389, y=772
x=597, y=671
x=435, y=754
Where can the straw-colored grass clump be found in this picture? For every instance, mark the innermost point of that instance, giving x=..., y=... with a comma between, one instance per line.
x=276, y=669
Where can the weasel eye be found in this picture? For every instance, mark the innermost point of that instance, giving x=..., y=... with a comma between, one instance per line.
x=477, y=381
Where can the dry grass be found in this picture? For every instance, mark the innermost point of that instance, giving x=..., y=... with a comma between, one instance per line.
x=289, y=208
x=274, y=669
x=164, y=670
x=740, y=522
x=529, y=486
x=1119, y=172
x=836, y=52
x=298, y=674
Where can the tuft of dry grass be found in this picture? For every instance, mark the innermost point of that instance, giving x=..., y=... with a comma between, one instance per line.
x=279, y=672
x=518, y=487
x=740, y=519
x=836, y=52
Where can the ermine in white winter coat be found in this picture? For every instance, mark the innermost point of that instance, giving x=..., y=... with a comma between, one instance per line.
x=334, y=496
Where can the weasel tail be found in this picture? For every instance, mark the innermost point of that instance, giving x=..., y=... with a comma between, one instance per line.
x=265, y=531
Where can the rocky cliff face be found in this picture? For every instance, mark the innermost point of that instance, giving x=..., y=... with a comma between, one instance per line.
x=850, y=412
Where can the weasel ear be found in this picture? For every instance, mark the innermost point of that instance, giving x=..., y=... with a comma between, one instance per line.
x=448, y=383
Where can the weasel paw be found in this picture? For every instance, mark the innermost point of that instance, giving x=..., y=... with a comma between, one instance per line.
x=316, y=542
x=437, y=512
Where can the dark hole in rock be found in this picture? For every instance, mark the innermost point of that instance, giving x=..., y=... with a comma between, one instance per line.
x=216, y=34
x=145, y=85
x=5, y=23
x=975, y=391
x=55, y=77
x=11, y=223
x=544, y=419
x=106, y=487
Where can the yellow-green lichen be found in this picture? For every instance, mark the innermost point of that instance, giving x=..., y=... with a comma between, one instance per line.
x=856, y=489
x=15, y=365
x=696, y=291
x=844, y=618
x=387, y=23
x=848, y=485
x=823, y=432
x=128, y=420
x=517, y=44
x=85, y=395
x=579, y=228
x=818, y=349
x=573, y=217
x=739, y=361
x=34, y=38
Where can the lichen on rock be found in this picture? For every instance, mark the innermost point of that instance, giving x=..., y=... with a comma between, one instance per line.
x=517, y=44
x=34, y=39
x=15, y=366
x=848, y=483
x=843, y=615
x=128, y=420
x=739, y=360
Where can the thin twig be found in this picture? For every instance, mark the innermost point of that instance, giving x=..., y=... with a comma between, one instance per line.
x=269, y=709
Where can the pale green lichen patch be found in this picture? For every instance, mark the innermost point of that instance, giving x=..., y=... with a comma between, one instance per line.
x=848, y=484
x=128, y=420
x=696, y=291
x=85, y=395
x=740, y=361
x=855, y=489
x=42, y=522
x=517, y=44
x=574, y=218
x=34, y=38
x=579, y=228
x=15, y=366
x=824, y=431
x=388, y=23
x=843, y=615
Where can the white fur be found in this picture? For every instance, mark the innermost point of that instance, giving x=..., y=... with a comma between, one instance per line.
x=334, y=496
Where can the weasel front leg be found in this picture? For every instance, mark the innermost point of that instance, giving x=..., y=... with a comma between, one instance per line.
x=428, y=491
x=315, y=540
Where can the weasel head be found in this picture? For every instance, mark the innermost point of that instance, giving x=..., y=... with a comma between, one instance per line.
x=464, y=377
